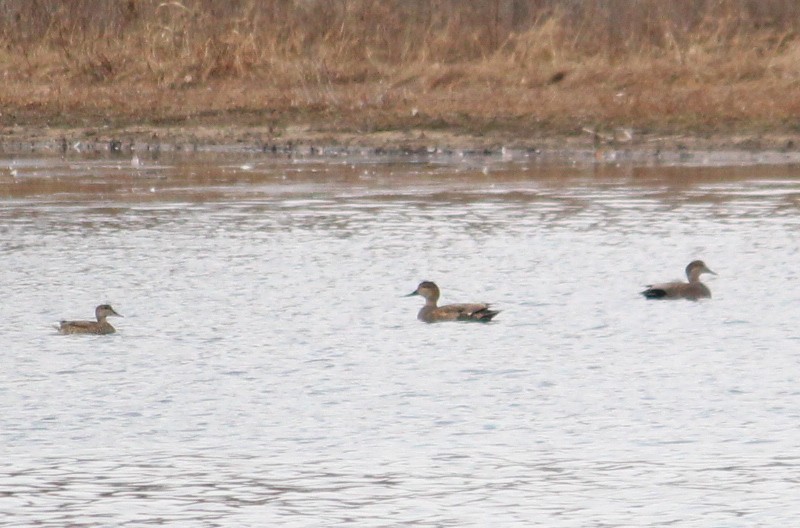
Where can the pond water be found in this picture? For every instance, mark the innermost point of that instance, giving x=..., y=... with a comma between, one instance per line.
x=269, y=372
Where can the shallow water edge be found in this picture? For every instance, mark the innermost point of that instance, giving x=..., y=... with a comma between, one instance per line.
x=557, y=147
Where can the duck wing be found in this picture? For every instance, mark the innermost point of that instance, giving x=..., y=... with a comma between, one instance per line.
x=77, y=327
x=469, y=312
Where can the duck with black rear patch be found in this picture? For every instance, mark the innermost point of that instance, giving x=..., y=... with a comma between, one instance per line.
x=431, y=313
x=692, y=290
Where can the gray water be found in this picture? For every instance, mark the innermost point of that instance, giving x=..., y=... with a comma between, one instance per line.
x=269, y=372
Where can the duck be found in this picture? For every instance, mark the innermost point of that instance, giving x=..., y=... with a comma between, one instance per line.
x=99, y=327
x=692, y=290
x=431, y=313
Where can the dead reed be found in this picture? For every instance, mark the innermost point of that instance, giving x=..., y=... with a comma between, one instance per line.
x=382, y=64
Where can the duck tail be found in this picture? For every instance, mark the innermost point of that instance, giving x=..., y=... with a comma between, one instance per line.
x=486, y=315
x=654, y=293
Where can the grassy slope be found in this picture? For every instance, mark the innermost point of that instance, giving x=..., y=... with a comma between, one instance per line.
x=513, y=68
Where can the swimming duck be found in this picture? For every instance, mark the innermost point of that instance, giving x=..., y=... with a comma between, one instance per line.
x=430, y=313
x=692, y=290
x=100, y=327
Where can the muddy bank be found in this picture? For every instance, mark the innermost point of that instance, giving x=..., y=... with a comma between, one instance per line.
x=585, y=145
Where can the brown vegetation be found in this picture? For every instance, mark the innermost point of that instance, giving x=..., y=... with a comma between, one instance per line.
x=523, y=67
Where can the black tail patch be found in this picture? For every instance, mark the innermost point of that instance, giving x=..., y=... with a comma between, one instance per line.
x=485, y=316
x=654, y=293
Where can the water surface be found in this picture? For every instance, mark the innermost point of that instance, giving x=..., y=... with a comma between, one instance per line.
x=269, y=371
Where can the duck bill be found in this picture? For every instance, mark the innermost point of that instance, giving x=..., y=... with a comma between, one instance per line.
x=711, y=272
x=415, y=292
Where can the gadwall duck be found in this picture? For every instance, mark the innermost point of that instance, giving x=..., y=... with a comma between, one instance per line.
x=430, y=313
x=692, y=290
x=100, y=327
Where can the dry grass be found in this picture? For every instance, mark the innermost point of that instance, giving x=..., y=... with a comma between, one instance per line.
x=535, y=65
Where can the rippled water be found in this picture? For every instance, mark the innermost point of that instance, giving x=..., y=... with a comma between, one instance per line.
x=269, y=371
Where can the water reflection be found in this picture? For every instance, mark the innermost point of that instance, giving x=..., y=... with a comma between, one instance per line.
x=269, y=371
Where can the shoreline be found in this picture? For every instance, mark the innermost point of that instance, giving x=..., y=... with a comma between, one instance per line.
x=586, y=146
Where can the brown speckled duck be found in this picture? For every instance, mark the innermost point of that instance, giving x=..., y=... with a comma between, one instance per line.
x=430, y=313
x=692, y=290
x=99, y=327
